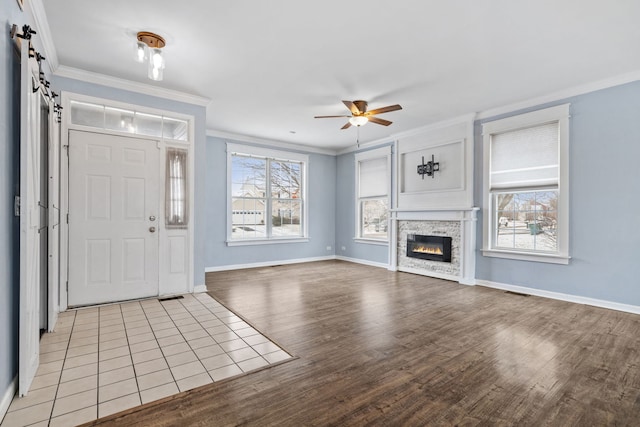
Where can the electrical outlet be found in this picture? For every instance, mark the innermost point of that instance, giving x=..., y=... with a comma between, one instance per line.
x=328, y=248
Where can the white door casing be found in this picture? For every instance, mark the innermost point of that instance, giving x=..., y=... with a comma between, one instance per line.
x=113, y=218
x=54, y=221
x=29, y=345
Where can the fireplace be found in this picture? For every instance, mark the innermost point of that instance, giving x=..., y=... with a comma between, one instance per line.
x=433, y=248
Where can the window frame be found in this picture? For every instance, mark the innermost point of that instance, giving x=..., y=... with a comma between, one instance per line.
x=374, y=154
x=276, y=155
x=561, y=115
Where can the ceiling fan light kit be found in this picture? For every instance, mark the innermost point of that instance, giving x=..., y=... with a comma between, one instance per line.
x=360, y=116
x=358, y=120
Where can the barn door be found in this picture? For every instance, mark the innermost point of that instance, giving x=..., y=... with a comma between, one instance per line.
x=29, y=219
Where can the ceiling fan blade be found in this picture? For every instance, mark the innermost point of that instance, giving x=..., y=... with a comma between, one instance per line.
x=352, y=107
x=346, y=126
x=379, y=121
x=383, y=110
x=327, y=117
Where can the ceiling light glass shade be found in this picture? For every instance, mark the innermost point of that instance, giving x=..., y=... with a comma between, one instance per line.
x=156, y=58
x=358, y=120
x=156, y=64
x=140, y=53
x=155, y=73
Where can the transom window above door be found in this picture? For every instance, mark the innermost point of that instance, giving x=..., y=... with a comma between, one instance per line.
x=128, y=121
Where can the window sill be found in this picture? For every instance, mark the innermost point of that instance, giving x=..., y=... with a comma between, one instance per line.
x=254, y=242
x=527, y=256
x=371, y=241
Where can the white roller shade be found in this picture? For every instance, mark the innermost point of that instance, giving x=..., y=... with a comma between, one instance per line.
x=373, y=177
x=525, y=157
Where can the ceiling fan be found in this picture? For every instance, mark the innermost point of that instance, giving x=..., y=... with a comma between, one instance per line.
x=360, y=116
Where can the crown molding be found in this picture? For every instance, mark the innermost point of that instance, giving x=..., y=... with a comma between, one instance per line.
x=270, y=142
x=41, y=22
x=115, y=82
x=561, y=95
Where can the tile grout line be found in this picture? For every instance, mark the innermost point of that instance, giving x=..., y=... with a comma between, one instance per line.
x=64, y=362
x=159, y=347
x=245, y=321
x=232, y=330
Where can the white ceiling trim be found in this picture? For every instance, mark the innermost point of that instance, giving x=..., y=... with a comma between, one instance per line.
x=561, y=95
x=466, y=118
x=117, y=83
x=367, y=145
x=44, y=32
x=270, y=142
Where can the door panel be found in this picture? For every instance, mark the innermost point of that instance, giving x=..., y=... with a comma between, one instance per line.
x=54, y=222
x=29, y=345
x=113, y=194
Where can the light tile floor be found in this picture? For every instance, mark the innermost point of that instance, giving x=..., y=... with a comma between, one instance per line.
x=106, y=359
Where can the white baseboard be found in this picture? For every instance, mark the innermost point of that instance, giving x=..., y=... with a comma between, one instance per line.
x=7, y=397
x=362, y=261
x=267, y=264
x=562, y=297
x=198, y=289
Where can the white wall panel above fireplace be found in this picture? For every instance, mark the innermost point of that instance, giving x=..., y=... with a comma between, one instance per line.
x=451, y=145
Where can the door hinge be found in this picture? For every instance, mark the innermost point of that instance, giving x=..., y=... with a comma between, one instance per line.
x=16, y=205
x=67, y=286
x=67, y=218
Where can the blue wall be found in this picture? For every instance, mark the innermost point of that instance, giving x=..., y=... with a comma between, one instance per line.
x=321, y=200
x=199, y=112
x=346, y=215
x=604, y=203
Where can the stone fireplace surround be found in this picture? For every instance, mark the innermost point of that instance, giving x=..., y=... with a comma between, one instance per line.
x=459, y=224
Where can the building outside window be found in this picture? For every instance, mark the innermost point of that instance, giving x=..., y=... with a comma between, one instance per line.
x=526, y=186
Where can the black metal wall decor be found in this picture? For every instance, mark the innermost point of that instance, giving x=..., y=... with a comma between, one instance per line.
x=429, y=168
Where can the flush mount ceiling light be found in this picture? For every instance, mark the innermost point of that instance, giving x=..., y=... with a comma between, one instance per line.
x=149, y=47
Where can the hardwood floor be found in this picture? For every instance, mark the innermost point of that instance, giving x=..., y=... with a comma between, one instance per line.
x=383, y=348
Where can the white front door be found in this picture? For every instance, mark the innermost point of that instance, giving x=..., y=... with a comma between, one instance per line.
x=113, y=211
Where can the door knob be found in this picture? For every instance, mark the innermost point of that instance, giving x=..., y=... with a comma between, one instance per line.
x=152, y=229
x=152, y=218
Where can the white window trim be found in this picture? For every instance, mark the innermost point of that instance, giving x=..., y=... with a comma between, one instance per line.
x=272, y=154
x=561, y=114
x=376, y=153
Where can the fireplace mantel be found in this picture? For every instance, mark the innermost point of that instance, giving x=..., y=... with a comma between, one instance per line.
x=462, y=220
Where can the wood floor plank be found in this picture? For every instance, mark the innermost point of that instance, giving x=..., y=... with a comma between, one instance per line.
x=384, y=348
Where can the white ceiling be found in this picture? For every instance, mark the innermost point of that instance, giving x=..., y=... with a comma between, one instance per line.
x=268, y=67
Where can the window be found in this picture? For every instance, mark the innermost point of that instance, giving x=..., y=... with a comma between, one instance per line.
x=267, y=194
x=176, y=188
x=526, y=186
x=372, y=190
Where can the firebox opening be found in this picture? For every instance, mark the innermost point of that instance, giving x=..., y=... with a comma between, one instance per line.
x=433, y=248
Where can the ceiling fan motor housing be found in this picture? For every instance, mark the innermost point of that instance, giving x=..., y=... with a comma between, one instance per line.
x=361, y=105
